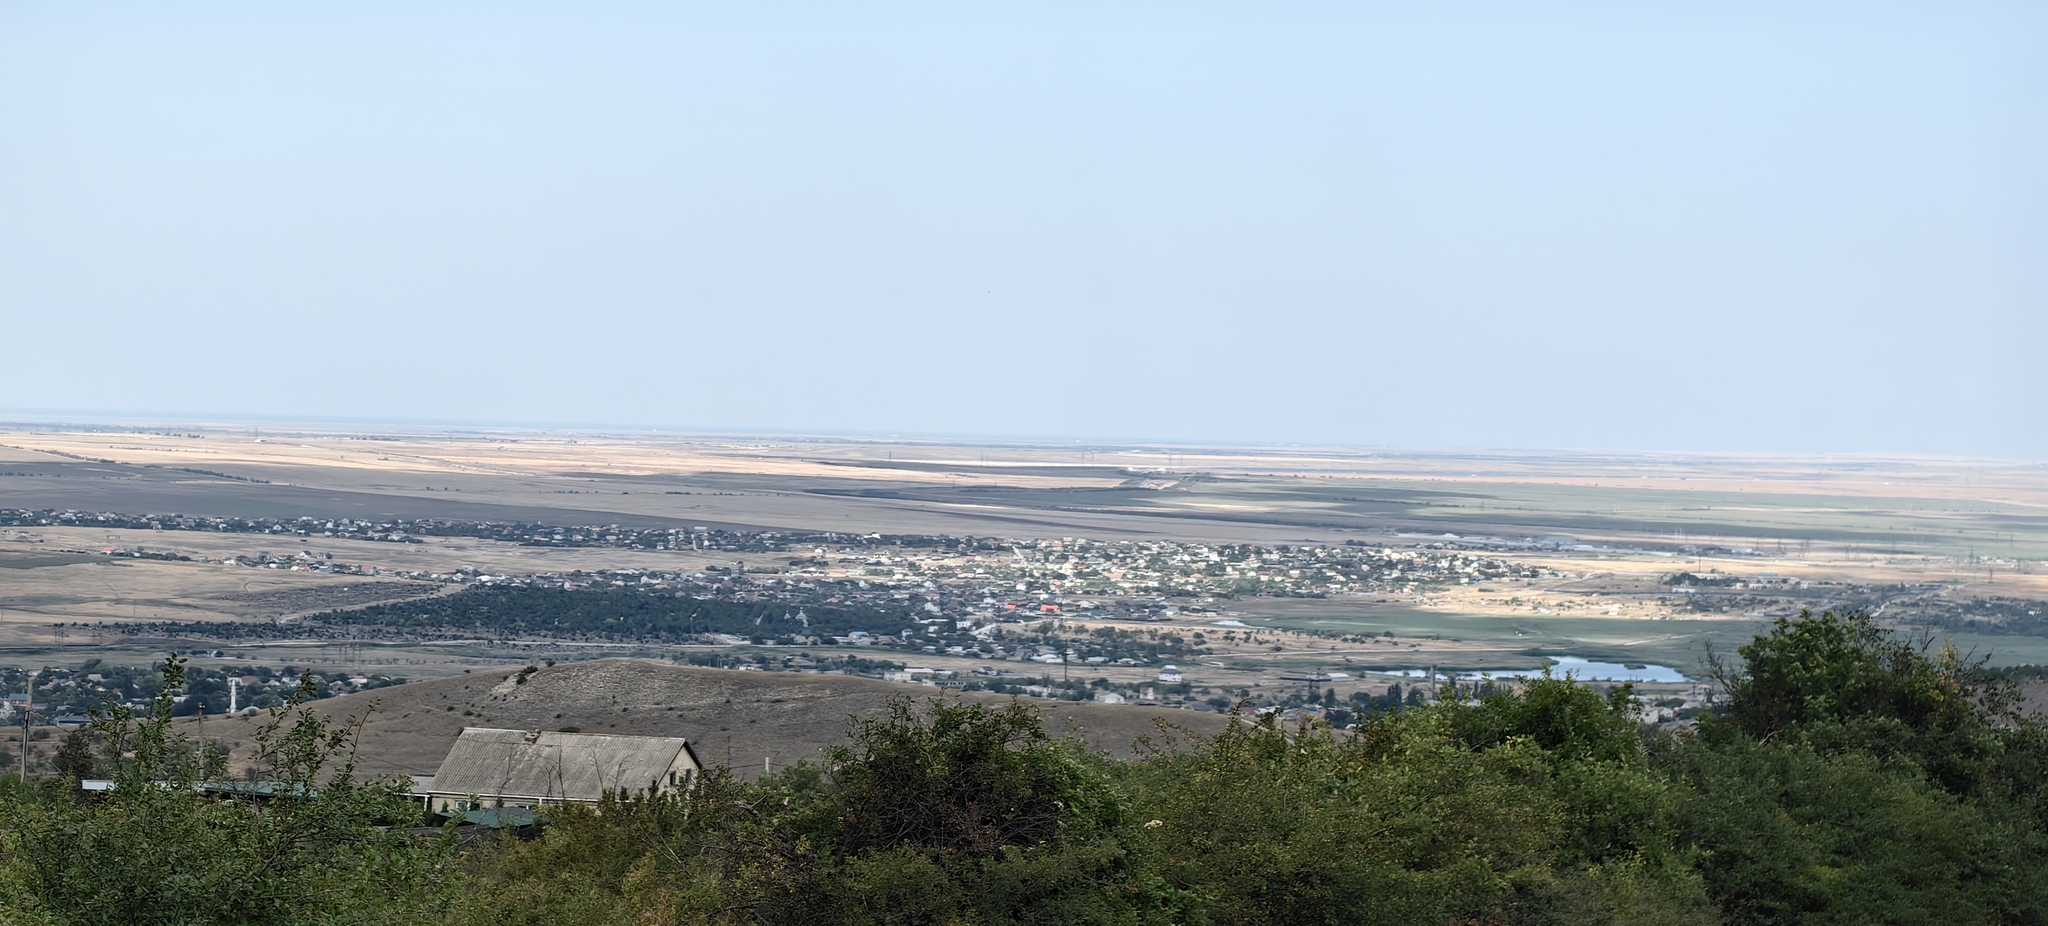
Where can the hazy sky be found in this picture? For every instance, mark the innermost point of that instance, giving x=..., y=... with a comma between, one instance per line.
x=1707, y=226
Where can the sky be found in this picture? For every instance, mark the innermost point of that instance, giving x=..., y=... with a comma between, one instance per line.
x=1724, y=226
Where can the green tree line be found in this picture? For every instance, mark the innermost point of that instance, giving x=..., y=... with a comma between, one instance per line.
x=614, y=615
x=1850, y=776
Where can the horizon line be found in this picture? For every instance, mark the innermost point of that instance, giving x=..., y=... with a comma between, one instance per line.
x=144, y=420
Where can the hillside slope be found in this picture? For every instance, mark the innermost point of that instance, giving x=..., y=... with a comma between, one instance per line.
x=732, y=717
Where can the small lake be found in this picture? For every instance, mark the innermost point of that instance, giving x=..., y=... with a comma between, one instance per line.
x=1584, y=670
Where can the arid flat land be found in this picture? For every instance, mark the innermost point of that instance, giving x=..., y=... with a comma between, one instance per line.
x=1862, y=505
x=1608, y=528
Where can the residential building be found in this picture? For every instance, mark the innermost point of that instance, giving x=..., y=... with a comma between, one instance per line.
x=529, y=768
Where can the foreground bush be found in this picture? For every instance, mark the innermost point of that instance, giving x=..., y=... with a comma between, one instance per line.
x=173, y=843
x=1851, y=778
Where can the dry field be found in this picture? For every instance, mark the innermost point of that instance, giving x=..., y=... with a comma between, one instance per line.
x=1862, y=504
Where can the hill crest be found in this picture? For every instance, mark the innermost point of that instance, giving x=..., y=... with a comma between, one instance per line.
x=735, y=718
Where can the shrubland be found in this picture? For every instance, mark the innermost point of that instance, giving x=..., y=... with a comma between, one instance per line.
x=1850, y=776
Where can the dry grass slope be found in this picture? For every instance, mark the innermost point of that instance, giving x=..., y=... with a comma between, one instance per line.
x=729, y=716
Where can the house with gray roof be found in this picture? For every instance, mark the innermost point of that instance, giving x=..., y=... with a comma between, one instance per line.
x=529, y=768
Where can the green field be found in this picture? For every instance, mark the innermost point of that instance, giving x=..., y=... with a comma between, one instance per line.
x=1903, y=524
x=1522, y=641
x=2003, y=650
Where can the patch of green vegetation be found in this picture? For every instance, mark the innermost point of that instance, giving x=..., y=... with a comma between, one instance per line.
x=2001, y=649
x=1680, y=644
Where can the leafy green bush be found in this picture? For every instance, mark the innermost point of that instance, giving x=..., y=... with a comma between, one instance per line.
x=176, y=842
x=1842, y=683
x=1851, y=777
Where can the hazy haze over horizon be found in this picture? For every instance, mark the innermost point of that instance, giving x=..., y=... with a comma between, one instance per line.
x=1471, y=225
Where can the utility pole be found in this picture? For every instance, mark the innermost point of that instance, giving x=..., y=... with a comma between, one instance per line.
x=27, y=720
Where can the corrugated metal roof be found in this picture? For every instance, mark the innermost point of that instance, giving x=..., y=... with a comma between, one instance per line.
x=530, y=764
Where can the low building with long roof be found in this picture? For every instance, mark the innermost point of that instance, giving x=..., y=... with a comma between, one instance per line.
x=529, y=768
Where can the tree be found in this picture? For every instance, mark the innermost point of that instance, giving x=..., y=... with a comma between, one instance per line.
x=75, y=759
x=1561, y=715
x=174, y=842
x=961, y=779
x=1840, y=682
x=1855, y=777
x=1406, y=822
x=1792, y=834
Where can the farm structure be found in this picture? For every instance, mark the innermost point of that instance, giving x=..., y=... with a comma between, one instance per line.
x=529, y=768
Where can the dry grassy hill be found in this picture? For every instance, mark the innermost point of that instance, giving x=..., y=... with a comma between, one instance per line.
x=2035, y=694
x=731, y=716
